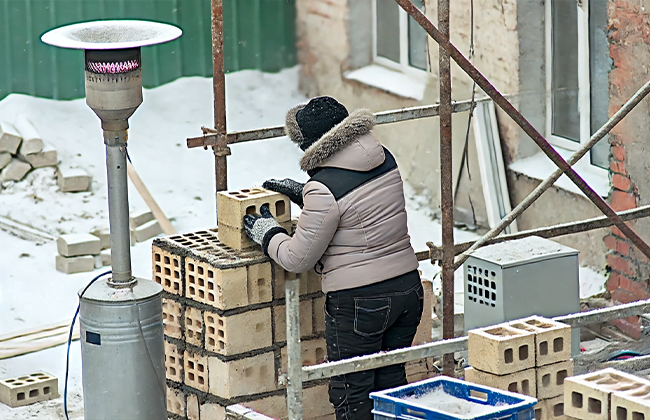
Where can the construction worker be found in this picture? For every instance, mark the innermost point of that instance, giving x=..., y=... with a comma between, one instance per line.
x=353, y=231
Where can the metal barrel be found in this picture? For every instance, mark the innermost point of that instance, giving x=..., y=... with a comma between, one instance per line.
x=122, y=352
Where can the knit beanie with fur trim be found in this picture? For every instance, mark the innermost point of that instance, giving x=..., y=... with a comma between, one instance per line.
x=318, y=117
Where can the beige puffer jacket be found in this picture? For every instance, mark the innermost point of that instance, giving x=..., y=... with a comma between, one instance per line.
x=353, y=222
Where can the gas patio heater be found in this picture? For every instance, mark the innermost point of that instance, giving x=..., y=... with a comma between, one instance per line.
x=121, y=316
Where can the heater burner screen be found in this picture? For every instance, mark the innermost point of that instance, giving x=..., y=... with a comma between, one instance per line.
x=112, y=68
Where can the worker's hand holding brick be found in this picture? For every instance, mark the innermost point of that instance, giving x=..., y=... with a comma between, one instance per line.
x=262, y=228
x=289, y=187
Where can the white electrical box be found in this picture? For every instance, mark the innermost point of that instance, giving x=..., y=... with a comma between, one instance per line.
x=519, y=278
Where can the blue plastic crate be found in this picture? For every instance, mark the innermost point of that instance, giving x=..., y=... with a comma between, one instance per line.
x=391, y=404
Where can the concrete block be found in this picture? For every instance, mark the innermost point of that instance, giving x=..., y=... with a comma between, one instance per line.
x=72, y=265
x=147, y=231
x=15, y=170
x=78, y=244
x=251, y=375
x=420, y=370
x=192, y=407
x=319, y=314
x=5, y=158
x=194, y=326
x=280, y=321
x=175, y=402
x=210, y=411
x=312, y=352
x=139, y=217
x=232, y=206
x=196, y=371
x=500, y=349
x=173, y=363
x=631, y=405
x=28, y=389
x=72, y=179
x=551, y=409
x=424, y=332
x=240, y=333
x=522, y=382
x=9, y=138
x=588, y=396
x=46, y=157
x=172, y=312
x=550, y=379
x=104, y=235
x=552, y=339
x=236, y=238
x=105, y=256
x=32, y=141
x=167, y=270
x=309, y=281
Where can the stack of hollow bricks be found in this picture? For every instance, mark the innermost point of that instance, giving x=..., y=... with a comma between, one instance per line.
x=224, y=318
x=530, y=356
x=607, y=394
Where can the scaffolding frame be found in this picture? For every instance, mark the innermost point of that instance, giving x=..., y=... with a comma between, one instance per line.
x=219, y=140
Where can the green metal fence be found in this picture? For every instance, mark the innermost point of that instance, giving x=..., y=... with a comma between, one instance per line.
x=259, y=34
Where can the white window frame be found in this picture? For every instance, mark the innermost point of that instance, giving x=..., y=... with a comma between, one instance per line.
x=584, y=87
x=403, y=65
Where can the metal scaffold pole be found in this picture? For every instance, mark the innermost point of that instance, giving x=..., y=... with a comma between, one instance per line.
x=221, y=149
x=294, y=361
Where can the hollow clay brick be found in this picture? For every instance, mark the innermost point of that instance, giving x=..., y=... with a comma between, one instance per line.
x=196, y=371
x=550, y=379
x=240, y=333
x=500, y=349
x=167, y=270
x=315, y=398
x=631, y=405
x=551, y=409
x=175, y=402
x=280, y=321
x=173, y=363
x=192, y=407
x=419, y=370
x=522, y=382
x=319, y=314
x=236, y=238
x=552, y=339
x=194, y=326
x=172, y=312
x=312, y=353
x=232, y=206
x=28, y=389
x=251, y=375
x=309, y=281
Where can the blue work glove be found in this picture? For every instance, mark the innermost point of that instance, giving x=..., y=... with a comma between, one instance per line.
x=262, y=228
x=289, y=187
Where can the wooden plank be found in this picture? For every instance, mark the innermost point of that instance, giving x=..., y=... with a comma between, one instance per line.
x=165, y=224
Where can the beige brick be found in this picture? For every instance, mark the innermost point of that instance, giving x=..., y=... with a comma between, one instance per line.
x=309, y=281
x=32, y=142
x=15, y=171
x=419, y=370
x=552, y=339
x=5, y=158
x=175, y=402
x=139, y=217
x=522, y=382
x=9, y=138
x=104, y=235
x=28, y=389
x=319, y=314
x=316, y=399
x=192, y=407
x=274, y=406
x=550, y=379
x=312, y=353
x=167, y=270
x=173, y=363
x=251, y=375
x=500, y=349
x=239, y=333
x=232, y=206
x=147, y=231
x=588, y=396
x=425, y=329
x=46, y=157
x=78, y=244
x=172, y=312
x=280, y=321
x=194, y=326
x=551, y=409
x=71, y=265
x=72, y=179
x=212, y=412
x=259, y=283
x=105, y=256
x=238, y=239
x=98, y=261
x=196, y=371
x=631, y=405
x=223, y=289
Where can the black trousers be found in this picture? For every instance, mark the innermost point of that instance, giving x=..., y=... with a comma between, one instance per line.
x=365, y=320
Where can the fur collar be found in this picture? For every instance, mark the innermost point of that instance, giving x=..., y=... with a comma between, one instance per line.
x=357, y=124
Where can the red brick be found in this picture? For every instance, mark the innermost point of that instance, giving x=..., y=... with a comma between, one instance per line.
x=616, y=231
x=617, y=167
x=634, y=287
x=622, y=201
x=618, y=152
x=621, y=182
x=629, y=328
x=622, y=296
x=620, y=264
x=613, y=281
x=610, y=242
x=622, y=247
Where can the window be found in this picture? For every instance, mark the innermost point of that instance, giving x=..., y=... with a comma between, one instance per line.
x=398, y=41
x=577, y=84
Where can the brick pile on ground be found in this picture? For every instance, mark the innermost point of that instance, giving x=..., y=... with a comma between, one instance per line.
x=224, y=319
x=530, y=356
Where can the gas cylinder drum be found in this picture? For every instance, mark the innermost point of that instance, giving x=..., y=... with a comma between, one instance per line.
x=122, y=351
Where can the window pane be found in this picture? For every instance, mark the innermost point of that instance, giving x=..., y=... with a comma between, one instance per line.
x=566, y=118
x=388, y=29
x=417, y=41
x=599, y=65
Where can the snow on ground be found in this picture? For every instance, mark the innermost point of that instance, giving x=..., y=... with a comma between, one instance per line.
x=33, y=293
